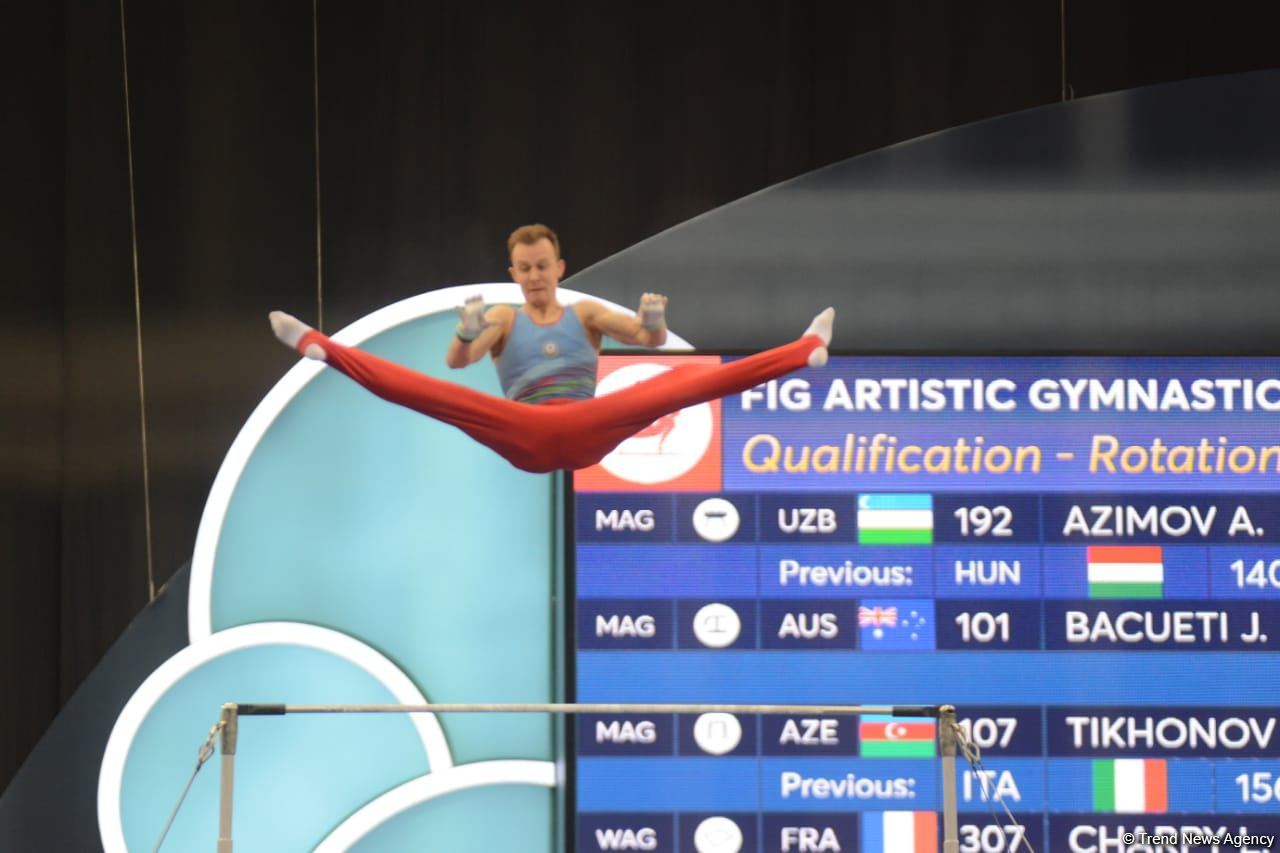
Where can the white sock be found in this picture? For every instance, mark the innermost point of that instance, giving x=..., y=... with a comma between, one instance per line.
x=822, y=327
x=289, y=329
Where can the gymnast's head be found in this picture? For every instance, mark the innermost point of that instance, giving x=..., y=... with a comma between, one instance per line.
x=536, y=264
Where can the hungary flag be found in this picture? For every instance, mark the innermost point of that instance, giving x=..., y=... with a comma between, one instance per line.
x=896, y=737
x=1126, y=571
x=1130, y=785
x=899, y=832
x=895, y=519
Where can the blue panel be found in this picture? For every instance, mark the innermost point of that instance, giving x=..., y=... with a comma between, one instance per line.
x=1246, y=786
x=827, y=784
x=1190, y=785
x=1066, y=571
x=1205, y=731
x=627, y=623
x=988, y=571
x=847, y=570
x=677, y=571
x=811, y=830
x=905, y=678
x=627, y=831
x=669, y=784
x=624, y=518
x=1015, y=599
x=1018, y=782
x=1243, y=571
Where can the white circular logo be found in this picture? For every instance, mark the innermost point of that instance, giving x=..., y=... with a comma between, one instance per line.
x=716, y=626
x=715, y=520
x=717, y=835
x=717, y=733
x=550, y=349
x=666, y=448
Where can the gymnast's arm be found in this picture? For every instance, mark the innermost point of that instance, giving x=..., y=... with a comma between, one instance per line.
x=497, y=321
x=646, y=328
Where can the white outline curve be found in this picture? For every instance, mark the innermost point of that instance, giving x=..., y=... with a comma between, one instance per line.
x=200, y=598
x=172, y=671
x=417, y=791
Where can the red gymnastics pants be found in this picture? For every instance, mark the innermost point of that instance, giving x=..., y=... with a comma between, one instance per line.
x=560, y=434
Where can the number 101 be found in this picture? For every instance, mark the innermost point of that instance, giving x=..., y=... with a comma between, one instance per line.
x=983, y=627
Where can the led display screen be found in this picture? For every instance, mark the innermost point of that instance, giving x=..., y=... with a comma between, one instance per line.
x=1081, y=553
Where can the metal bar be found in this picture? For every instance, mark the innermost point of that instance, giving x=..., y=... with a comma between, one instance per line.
x=228, y=746
x=251, y=709
x=947, y=748
x=946, y=715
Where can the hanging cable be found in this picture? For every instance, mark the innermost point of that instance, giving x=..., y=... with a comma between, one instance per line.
x=1067, y=93
x=315, y=87
x=204, y=754
x=137, y=312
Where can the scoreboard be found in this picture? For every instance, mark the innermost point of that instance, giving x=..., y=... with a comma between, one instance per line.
x=1081, y=554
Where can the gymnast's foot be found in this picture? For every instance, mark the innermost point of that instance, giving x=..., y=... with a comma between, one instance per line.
x=821, y=328
x=289, y=329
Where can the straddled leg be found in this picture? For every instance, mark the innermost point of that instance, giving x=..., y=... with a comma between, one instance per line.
x=517, y=431
x=609, y=420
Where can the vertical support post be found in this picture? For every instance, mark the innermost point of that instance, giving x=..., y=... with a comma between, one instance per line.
x=561, y=664
x=230, y=726
x=947, y=745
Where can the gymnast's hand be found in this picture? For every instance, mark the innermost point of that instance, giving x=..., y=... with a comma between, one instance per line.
x=653, y=311
x=471, y=320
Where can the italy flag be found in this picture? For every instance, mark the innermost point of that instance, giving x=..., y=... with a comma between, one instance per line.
x=899, y=832
x=902, y=519
x=1126, y=571
x=1130, y=785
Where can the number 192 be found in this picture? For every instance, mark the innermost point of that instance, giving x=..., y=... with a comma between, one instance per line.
x=985, y=520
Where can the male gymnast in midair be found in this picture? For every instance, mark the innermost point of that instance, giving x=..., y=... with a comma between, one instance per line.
x=546, y=356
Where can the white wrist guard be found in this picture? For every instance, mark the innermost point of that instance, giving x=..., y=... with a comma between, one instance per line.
x=653, y=319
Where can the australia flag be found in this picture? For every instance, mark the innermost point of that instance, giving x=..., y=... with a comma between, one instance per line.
x=895, y=625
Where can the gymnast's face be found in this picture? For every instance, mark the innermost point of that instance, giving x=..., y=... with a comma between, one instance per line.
x=537, y=270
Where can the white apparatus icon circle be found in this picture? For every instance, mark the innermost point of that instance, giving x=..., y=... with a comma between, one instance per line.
x=717, y=733
x=716, y=520
x=716, y=625
x=717, y=835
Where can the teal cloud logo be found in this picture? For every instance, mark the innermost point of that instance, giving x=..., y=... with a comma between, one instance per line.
x=352, y=552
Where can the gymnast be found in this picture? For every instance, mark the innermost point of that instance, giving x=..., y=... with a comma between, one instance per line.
x=546, y=356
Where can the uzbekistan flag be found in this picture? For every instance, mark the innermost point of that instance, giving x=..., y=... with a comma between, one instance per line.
x=1130, y=785
x=1126, y=571
x=895, y=519
x=899, y=832
x=896, y=737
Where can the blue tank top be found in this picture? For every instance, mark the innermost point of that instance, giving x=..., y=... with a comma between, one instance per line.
x=554, y=362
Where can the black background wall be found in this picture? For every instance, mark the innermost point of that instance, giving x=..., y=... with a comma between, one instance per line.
x=441, y=128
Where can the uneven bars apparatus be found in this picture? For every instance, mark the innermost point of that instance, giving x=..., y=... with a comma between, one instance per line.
x=229, y=724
